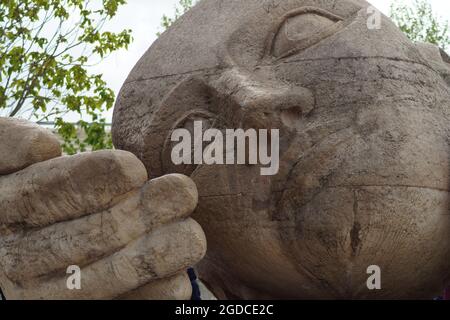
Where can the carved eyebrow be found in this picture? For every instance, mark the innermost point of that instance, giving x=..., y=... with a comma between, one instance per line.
x=271, y=38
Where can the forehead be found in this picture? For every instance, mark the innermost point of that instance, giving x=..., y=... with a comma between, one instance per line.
x=197, y=42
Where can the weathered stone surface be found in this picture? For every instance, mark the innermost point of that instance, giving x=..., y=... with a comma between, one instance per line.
x=130, y=237
x=25, y=143
x=177, y=287
x=364, y=123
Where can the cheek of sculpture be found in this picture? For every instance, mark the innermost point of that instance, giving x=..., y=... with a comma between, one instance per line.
x=370, y=194
x=363, y=181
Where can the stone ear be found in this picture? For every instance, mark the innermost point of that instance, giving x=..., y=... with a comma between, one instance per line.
x=437, y=58
x=189, y=101
x=445, y=56
x=446, y=59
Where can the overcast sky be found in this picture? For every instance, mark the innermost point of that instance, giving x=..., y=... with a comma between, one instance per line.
x=143, y=17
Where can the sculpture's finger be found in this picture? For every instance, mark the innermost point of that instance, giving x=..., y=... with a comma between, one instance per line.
x=23, y=143
x=83, y=241
x=66, y=188
x=177, y=287
x=158, y=255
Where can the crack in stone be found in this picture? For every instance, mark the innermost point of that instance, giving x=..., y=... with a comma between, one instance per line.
x=389, y=186
x=355, y=238
x=214, y=70
x=363, y=58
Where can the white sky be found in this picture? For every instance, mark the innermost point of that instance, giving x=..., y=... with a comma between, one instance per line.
x=143, y=17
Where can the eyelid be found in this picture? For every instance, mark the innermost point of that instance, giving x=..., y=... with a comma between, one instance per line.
x=317, y=38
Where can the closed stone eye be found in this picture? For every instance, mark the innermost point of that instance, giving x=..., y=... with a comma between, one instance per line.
x=303, y=28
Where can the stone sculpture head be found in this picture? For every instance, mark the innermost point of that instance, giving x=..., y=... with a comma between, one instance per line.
x=364, y=119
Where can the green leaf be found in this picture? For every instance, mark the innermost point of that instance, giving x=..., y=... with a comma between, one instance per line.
x=420, y=23
x=44, y=64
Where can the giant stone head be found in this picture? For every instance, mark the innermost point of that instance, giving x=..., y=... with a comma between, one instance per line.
x=364, y=120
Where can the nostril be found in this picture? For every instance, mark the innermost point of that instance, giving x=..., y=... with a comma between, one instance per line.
x=292, y=116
